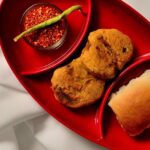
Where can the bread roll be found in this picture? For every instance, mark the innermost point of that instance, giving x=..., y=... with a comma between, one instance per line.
x=131, y=104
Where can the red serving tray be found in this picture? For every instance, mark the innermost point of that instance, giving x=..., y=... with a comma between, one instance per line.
x=85, y=121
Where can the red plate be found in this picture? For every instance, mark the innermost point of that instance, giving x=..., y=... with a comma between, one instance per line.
x=86, y=121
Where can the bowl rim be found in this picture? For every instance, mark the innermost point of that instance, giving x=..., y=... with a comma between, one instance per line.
x=54, y=46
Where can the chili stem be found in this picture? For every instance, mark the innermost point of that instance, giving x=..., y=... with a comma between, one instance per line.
x=47, y=22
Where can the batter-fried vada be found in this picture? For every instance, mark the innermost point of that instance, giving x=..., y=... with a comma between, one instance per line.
x=108, y=50
x=120, y=43
x=74, y=86
x=99, y=61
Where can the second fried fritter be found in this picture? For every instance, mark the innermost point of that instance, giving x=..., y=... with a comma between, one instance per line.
x=106, y=51
x=120, y=44
x=99, y=60
x=74, y=86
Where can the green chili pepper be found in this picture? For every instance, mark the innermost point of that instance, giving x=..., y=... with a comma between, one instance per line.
x=47, y=22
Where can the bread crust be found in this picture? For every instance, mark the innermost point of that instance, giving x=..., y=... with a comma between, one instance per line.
x=132, y=105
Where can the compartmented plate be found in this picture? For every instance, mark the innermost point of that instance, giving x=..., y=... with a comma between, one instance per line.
x=85, y=121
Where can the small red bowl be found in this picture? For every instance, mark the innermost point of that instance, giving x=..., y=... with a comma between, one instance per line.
x=36, y=39
x=134, y=70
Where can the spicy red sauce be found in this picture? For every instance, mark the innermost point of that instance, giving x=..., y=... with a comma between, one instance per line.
x=48, y=36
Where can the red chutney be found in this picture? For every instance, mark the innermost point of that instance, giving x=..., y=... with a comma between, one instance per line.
x=48, y=36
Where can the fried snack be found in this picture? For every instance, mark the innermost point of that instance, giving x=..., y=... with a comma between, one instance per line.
x=75, y=87
x=81, y=82
x=121, y=45
x=131, y=104
x=99, y=61
x=107, y=51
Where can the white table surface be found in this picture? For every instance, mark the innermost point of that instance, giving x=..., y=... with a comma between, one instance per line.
x=36, y=130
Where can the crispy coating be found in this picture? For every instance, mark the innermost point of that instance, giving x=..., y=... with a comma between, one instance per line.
x=121, y=45
x=82, y=82
x=99, y=60
x=106, y=51
x=74, y=86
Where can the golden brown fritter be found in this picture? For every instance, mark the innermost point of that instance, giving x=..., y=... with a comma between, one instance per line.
x=81, y=82
x=106, y=51
x=74, y=86
x=99, y=60
x=121, y=45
